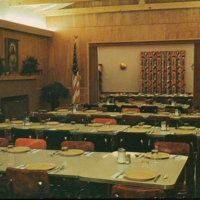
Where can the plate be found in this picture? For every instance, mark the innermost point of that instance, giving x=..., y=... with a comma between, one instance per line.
x=183, y=132
x=19, y=149
x=143, y=126
x=138, y=130
x=139, y=175
x=160, y=155
x=187, y=127
x=17, y=122
x=40, y=166
x=52, y=123
x=37, y=127
x=105, y=130
x=65, y=128
x=4, y=125
x=72, y=152
x=95, y=124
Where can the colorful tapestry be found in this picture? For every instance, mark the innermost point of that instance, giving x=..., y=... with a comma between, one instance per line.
x=162, y=72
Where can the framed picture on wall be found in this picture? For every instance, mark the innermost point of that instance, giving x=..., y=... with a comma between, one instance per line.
x=11, y=52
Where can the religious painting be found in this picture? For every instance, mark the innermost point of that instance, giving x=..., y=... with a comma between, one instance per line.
x=11, y=52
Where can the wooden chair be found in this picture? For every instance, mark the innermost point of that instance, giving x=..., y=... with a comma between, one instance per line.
x=55, y=138
x=84, y=145
x=130, y=110
x=179, y=148
x=131, y=192
x=111, y=108
x=23, y=183
x=32, y=143
x=3, y=142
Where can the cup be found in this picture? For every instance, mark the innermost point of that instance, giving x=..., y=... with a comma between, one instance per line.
x=145, y=163
x=7, y=121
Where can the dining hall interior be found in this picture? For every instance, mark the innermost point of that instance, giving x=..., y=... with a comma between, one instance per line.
x=127, y=121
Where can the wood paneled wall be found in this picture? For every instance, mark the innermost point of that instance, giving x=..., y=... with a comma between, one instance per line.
x=122, y=27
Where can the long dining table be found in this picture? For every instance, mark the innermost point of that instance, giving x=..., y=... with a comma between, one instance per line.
x=97, y=166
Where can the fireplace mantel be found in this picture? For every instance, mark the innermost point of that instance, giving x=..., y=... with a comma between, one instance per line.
x=13, y=77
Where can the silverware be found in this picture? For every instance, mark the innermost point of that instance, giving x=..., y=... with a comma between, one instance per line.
x=157, y=177
x=121, y=173
x=138, y=154
x=61, y=168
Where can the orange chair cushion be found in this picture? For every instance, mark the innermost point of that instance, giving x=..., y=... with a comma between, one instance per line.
x=32, y=143
x=111, y=121
x=84, y=145
x=3, y=142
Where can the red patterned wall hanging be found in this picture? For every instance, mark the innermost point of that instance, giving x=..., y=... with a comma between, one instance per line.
x=162, y=72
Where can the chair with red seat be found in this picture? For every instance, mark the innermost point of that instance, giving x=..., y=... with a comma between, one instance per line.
x=131, y=120
x=179, y=148
x=110, y=121
x=125, y=191
x=23, y=183
x=84, y=145
x=32, y=143
x=3, y=142
x=43, y=116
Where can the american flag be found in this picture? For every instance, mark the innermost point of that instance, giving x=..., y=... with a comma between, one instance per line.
x=75, y=78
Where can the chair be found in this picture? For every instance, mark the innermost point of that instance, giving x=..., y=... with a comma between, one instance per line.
x=32, y=143
x=43, y=116
x=180, y=148
x=191, y=120
x=3, y=142
x=88, y=106
x=75, y=185
x=111, y=108
x=103, y=109
x=125, y=191
x=102, y=120
x=149, y=109
x=80, y=118
x=131, y=120
x=173, y=108
x=2, y=133
x=102, y=142
x=55, y=138
x=23, y=183
x=130, y=110
x=155, y=120
x=136, y=142
x=84, y=145
x=22, y=133
x=61, y=119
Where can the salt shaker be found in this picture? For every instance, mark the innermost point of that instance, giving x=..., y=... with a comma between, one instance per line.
x=121, y=155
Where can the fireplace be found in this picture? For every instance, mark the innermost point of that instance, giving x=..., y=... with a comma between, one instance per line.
x=14, y=106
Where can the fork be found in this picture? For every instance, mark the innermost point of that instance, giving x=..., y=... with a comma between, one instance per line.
x=61, y=168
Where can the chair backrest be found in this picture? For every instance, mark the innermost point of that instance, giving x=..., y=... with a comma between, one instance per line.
x=172, y=109
x=55, y=138
x=103, y=109
x=22, y=133
x=126, y=110
x=43, y=116
x=137, y=142
x=155, y=120
x=131, y=120
x=61, y=119
x=191, y=120
x=131, y=192
x=79, y=118
x=3, y=142
x=149, y=109
x=110, y=121
x=102, y=142
x=32, y=143
x=111, y=108
x=28, y=183
x=84, y=145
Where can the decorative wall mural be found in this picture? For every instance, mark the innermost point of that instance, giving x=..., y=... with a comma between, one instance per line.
x=162, y=72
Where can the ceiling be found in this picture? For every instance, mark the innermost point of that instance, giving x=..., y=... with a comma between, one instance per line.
x=76, y=7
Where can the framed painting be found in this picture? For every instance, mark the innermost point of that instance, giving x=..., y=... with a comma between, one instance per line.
x=11, y=52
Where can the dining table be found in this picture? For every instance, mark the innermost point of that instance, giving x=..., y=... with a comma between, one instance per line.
x=162, y=173
x=102, y=167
